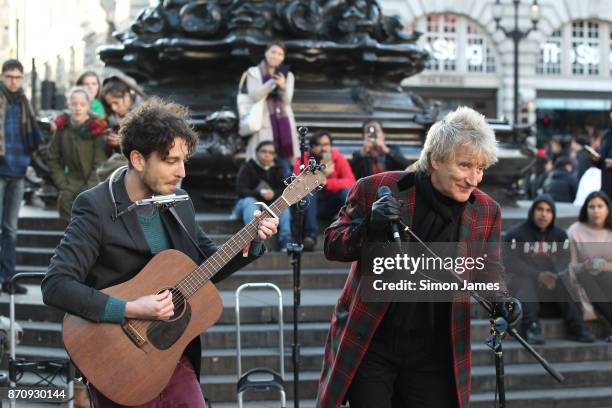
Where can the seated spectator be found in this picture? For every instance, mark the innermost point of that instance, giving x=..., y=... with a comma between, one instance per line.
x=591, y=239
x=533, y=261
x=76, y=150
x=260, y=179
x=561, y=183
x=340, y=179
x=375, y=156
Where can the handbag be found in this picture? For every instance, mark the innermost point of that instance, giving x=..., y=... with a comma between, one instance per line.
x=250, y=113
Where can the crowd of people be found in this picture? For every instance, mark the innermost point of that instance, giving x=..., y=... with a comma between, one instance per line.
x=111, y=123
x=569, y=171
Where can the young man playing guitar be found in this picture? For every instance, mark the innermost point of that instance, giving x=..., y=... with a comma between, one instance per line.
x=109, y=240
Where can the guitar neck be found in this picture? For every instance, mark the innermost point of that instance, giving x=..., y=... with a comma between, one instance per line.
x=226, y=252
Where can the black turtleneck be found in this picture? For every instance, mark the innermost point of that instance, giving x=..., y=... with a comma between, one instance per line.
x=436, y=219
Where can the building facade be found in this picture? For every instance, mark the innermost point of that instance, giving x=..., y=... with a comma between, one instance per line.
x=565, y=65
x=61, y=36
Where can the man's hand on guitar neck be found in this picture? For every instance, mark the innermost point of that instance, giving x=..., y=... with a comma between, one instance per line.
x=153, y=307
x=266, y=227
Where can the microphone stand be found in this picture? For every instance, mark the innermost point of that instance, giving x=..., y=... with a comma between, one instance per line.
x=294, y=249
x=499, y=326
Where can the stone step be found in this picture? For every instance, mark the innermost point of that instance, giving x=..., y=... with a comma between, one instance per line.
x=586, y=397
x=223, y=361
x=259, y=307
x=311, y=334
x=314, y=278
x=211, y=222
x=40, y=256
x=523, y=378
x=221, y=387
x=39, y=238
x=51, y=238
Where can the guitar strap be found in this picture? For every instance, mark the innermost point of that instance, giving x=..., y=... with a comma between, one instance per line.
x=178, y=219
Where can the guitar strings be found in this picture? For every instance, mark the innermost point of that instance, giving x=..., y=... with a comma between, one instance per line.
x=192, y=281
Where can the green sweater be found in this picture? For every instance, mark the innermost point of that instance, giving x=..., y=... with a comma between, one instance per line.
x=158, y=240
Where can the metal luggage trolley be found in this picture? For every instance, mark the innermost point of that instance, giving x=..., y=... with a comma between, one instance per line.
x=47, y=370
x=261, y=379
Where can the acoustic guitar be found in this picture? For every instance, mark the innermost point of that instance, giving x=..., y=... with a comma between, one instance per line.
x=131, y=363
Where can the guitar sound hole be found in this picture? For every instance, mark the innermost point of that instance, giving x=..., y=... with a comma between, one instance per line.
x=179, y=302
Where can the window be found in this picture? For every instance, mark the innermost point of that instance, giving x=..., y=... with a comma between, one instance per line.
x=479, y=55
x=442, y=42
x=578, y=48
x=585, y=48
x=549, y=60
x=455, y=44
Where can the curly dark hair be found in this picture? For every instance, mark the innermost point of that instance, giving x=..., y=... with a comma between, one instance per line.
x=316, y=136
x=153, y=127
x=11, y=64
x=583, y=216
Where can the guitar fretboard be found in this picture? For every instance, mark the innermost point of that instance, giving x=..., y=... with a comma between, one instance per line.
x=226, y=252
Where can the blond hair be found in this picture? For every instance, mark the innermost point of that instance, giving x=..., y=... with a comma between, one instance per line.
x=463, y=127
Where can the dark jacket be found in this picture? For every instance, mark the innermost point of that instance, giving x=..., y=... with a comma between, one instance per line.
x=355, y=321
x=561, y=185
x=97, y=252
x=363, y=165
x=583, y=163
x=606, y=153
x=252, y=174
x=522, y=257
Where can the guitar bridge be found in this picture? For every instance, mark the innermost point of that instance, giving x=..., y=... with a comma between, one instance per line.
x=133, y=334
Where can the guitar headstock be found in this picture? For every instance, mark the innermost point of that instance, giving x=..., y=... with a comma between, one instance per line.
x=309, y=180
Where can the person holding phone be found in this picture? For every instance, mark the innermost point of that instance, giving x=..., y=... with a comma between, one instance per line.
x=325, y=204
x=375, y=156
x=272, y=80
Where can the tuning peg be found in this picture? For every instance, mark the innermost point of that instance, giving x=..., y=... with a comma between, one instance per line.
x=289, y=179
x=316, y=190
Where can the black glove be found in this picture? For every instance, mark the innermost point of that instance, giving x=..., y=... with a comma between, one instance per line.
x=510, y=309
x=385, y=210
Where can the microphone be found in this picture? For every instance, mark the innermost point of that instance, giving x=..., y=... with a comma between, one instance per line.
x=164, y=201
x=384, y=191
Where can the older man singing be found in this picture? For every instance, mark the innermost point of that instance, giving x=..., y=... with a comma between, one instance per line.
x=402, y=354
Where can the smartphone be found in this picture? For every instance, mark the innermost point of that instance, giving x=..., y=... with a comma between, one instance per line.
x=282, y=69
x=372, y=133
x=592, y=152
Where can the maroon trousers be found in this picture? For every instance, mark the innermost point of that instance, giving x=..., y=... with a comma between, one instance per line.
x=183, y=391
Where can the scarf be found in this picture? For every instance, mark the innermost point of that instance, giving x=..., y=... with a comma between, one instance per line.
x=27, y=116
x=281, y=127
x=436, y=219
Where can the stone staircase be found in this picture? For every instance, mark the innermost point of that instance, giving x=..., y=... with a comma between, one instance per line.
x=586, y=367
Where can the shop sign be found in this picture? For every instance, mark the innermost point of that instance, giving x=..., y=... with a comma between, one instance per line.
x=583, y=54
x=446, y=50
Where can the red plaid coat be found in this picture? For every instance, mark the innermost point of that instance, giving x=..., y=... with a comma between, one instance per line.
x=354, y=321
